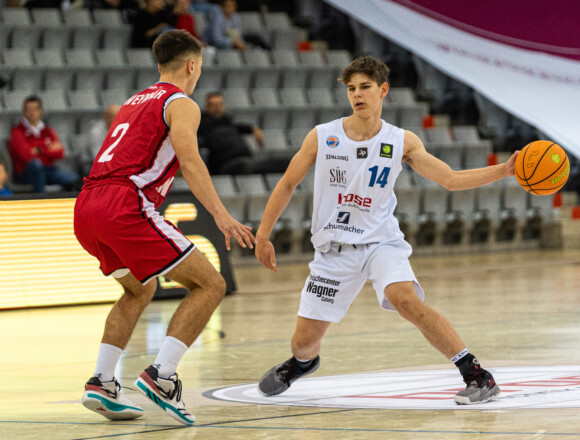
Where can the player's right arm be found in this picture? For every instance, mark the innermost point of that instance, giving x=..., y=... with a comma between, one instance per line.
x=182, y=116
x=299, y=166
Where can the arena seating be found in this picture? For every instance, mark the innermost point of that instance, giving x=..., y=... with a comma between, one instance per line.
x=79, y=62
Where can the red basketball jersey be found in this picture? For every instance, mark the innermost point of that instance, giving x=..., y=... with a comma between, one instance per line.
x=137, y=148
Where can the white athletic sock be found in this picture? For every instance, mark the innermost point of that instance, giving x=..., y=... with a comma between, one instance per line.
x=172, y=350
x=107, y=362
x=459, y=355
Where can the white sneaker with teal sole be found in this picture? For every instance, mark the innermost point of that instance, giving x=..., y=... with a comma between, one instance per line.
x=106, y=399
x=166, y=393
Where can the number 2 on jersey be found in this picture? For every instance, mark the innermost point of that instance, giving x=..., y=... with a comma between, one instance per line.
x=382, y=180
x=107, y=155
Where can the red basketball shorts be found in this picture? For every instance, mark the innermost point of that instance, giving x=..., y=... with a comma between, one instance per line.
x=121, y=228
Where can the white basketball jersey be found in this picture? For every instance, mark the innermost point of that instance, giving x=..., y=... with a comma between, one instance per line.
x=353, y=186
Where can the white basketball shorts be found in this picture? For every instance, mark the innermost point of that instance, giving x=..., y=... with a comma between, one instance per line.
x=336, y=277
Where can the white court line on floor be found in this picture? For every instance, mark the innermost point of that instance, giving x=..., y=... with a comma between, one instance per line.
x=522, y=388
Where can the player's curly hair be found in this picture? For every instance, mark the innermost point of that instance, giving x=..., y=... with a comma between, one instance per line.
x=171, y=45
x=369, y=65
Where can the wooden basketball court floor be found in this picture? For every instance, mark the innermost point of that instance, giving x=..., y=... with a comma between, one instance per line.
x=512, y=309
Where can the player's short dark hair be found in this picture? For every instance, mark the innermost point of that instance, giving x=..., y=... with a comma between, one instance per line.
x=172, y=45
x=32, y=98
x=370, y=66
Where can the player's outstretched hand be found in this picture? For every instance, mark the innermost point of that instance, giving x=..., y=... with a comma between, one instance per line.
x=510, y=164
x=231, y=228
x=265, y=254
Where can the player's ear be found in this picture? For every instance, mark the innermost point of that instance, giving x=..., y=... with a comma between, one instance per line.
x=384, y=89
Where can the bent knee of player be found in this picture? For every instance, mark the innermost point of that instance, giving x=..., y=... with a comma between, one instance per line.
x=404, y=300
x=220, y=287
x=216, y=286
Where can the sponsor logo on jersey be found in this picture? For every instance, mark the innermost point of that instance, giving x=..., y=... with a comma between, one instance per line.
x=325, y=293
x=335, y=157
x=343, y=217
x=361, y=153
x=337, y=177
x=356, y=199
x=332, y=141
x=344, y=228
x=386, y=151
x=319, y=279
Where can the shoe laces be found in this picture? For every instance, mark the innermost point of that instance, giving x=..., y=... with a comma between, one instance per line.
x=176, y=392
x=113, y=393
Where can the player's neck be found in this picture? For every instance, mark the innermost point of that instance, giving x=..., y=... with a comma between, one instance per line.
x=359, y=128
x=181, y=83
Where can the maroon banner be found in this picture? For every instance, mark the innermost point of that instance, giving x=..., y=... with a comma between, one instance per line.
x=546, y=26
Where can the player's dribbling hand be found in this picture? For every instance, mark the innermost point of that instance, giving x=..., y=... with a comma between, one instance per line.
x=511, y=163
x=231, y=228
x=265, y=254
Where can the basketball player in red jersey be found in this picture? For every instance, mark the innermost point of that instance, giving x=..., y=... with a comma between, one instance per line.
x=116, y=221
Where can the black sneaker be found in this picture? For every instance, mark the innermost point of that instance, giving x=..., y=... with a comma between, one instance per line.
x=279, y=378
x=481, y=388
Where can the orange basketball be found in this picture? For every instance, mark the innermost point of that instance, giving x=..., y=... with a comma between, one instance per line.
x=542, y=168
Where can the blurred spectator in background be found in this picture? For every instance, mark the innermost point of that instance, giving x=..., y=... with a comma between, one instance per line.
x=149, y=22
x=111, y=4
x=97, y=133
x=288, y=6
x=228, y=151
x=204, y=6
x=224, y=30
x=184, y=19
x=4, y=190
x=43, y=3
x=34, y=148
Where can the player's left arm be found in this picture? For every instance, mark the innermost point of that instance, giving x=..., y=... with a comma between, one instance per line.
x=183, y=116
x=438, y=171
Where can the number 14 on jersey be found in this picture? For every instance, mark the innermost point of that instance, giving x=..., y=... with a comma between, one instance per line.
x=382, y=177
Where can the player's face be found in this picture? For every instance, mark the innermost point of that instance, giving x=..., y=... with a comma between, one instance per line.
x=33, y=112
x=364, y=94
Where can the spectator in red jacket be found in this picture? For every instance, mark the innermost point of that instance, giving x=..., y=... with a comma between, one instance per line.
x=185, y=20
x=34, y=148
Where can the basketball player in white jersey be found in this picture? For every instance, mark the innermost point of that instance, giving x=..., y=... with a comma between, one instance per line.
x=355, y=234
